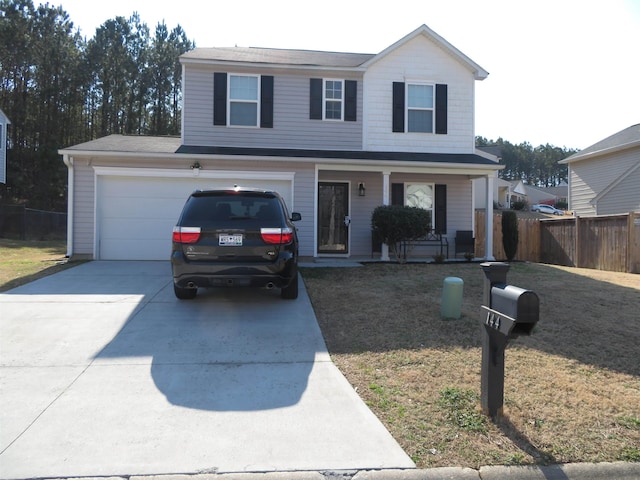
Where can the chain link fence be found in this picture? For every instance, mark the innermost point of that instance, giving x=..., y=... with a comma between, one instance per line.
x=19, y=222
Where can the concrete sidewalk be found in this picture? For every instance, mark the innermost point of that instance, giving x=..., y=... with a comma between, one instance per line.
x=105, y=373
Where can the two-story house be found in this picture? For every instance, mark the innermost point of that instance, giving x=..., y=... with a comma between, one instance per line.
x=337, y=134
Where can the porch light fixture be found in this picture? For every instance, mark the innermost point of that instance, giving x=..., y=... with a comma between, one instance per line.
x=361, y=189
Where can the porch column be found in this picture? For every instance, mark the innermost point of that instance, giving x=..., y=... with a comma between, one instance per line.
x=488, y=220
x=384, y=254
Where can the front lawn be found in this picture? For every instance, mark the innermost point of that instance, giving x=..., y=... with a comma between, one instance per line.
x=572, y=389
x=23, y=261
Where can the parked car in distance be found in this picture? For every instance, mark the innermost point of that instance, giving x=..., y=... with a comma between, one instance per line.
x=546, y=209
x=235, y=238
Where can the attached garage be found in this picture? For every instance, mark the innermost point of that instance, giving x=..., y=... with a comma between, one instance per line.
x=136, y=209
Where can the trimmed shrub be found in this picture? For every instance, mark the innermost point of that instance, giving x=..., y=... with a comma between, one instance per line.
x=394, y=224
x=510, y=234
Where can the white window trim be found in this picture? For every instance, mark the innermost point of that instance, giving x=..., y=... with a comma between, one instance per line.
x=230, y=100
x=325, y=99
x=432, y=109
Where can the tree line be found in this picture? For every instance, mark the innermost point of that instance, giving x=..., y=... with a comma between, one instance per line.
x=59, y=89
x=535, y=166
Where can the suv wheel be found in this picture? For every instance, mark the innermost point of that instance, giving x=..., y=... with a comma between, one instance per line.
x=290, y=292
x=184, y=293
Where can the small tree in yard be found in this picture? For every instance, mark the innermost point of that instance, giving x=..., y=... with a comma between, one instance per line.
x=394, y=224
x=510, y=234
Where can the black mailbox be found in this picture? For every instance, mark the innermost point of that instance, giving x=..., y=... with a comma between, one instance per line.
x=514, y=311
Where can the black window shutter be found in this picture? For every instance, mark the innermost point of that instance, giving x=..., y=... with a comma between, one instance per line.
x=441, y=209
x=315, y=99
x=441, y=109
x=266, y=101
x=398, y=107
x=219, y=98
x=350, y=100
x=397, y=194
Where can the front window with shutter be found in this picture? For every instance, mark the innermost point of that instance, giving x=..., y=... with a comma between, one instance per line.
x=244, y=100
x=421, y=195
x=420, y=108
x=333, y=99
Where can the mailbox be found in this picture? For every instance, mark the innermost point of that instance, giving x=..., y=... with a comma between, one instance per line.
x=514, y=311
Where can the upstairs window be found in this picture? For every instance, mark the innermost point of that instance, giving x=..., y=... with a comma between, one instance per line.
x=333, y=100
x=244, y=99
x=420, y=108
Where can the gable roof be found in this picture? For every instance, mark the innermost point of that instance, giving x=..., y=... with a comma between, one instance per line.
x=624, y=139
x=320, y=59
x=479, y=73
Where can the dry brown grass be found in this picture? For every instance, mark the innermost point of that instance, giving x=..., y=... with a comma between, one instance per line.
x=572, y=389
x=23, y=261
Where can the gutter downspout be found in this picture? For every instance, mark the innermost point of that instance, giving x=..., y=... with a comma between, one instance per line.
x=68, y=161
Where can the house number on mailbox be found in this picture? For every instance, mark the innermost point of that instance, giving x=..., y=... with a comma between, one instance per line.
x=493, y=321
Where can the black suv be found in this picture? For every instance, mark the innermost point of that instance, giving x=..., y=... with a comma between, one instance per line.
x=237, y=237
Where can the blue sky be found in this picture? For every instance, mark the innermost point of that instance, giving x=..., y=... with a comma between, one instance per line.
x=563, y=72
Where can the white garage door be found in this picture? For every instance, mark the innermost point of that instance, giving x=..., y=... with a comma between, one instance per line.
x=135, y=215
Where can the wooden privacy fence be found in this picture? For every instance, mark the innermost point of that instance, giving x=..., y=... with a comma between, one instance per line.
x=610, y=242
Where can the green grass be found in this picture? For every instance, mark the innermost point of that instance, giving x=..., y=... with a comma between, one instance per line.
x=22, y=262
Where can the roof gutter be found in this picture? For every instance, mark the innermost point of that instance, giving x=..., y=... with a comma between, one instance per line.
x=337, y=162
x=605, y=151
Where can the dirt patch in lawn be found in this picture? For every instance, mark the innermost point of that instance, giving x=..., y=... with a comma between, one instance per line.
x=572, y=389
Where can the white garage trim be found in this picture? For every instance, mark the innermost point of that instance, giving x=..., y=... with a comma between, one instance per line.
x=158, y=195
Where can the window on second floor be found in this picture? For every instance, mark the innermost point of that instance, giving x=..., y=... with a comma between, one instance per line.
x=244, y=100
x=420, y=107
x=420, y=111
x=333, y=100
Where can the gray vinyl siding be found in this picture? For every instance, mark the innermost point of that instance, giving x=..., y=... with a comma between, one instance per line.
x=292, y=127
x=591, y=176
x=83, y=208
x=625, y=197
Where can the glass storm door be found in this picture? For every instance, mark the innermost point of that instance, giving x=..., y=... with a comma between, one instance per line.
x=333, y=218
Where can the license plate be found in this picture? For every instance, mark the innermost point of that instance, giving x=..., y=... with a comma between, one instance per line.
x=230, y=240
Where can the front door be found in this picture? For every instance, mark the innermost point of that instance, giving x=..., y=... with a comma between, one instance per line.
x=333, y=218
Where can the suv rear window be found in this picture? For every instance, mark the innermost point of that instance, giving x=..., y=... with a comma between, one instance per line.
x=222, y=209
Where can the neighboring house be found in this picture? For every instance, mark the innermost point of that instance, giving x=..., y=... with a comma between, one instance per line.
x=502, y=193
x=560, y=192
x=4, y=122
x=605, y=177
x=501, y=188
x=532, y=195
x=337, y=134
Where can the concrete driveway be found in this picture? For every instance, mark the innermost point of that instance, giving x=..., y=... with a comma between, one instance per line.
x=103, y=372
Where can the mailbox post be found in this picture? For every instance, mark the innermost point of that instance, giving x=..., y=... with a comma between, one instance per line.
x=508, y=312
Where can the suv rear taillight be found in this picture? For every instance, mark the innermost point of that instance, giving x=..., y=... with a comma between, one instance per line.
x=277, y=236
x=186, y=234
